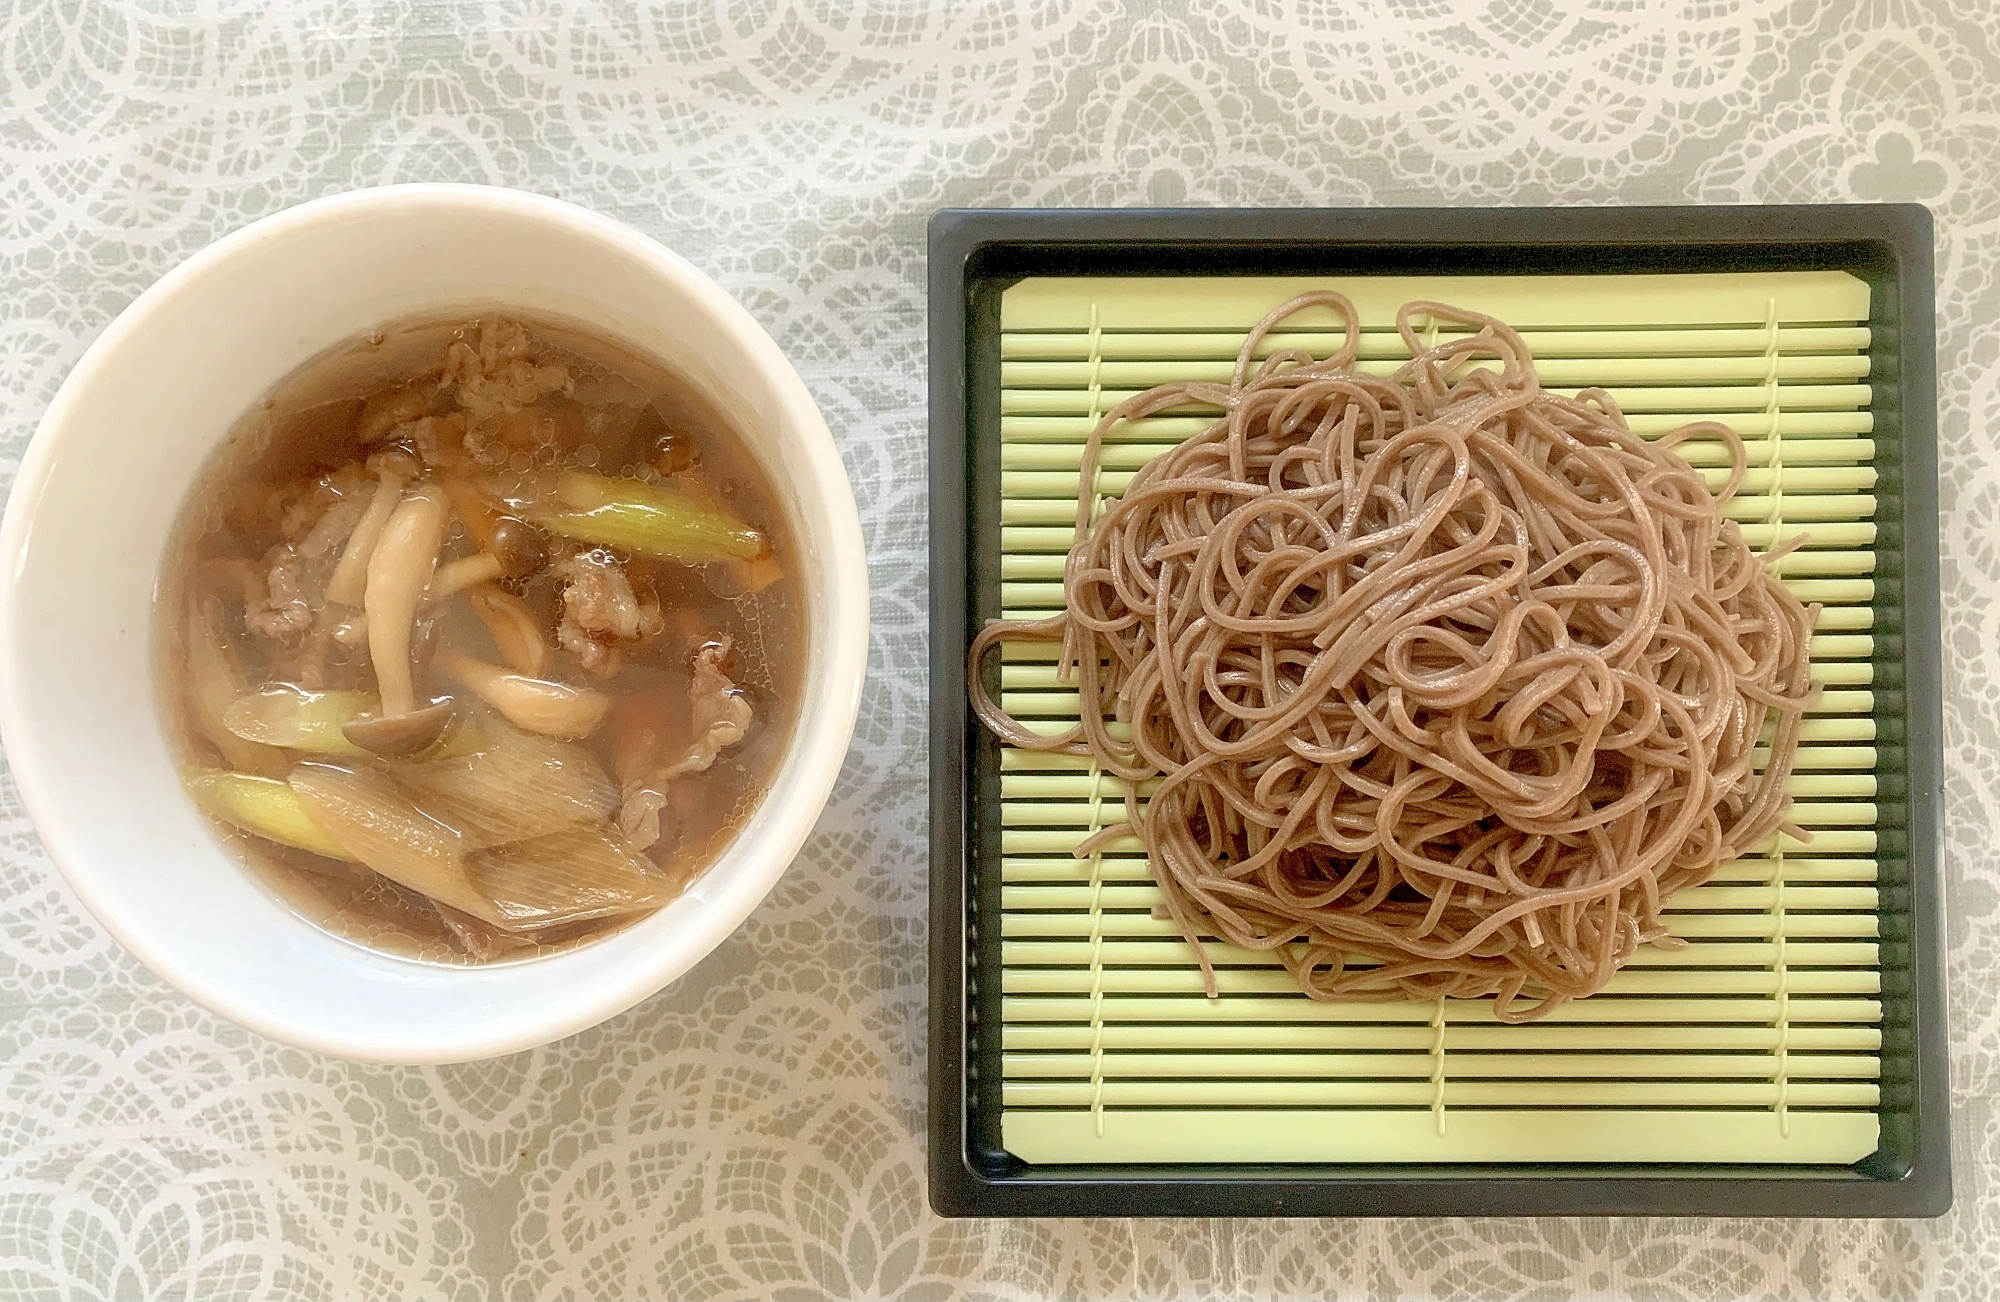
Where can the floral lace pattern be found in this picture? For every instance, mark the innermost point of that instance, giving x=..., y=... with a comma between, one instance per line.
x=756, y=1131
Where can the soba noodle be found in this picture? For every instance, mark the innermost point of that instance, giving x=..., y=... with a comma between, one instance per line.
x=1439, y=684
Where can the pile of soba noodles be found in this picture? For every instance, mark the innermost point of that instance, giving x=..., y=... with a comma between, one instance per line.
x=1448, y=682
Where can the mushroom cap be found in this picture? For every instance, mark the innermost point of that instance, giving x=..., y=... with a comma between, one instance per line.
x=403, y=736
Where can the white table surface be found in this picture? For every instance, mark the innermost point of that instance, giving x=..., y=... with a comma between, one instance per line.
x=756, y=1131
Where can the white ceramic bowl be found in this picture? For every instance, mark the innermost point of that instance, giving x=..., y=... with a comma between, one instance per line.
x=98, y=493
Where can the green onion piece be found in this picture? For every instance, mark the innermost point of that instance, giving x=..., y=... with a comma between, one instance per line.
x=650, y=521
x=279, y=714
x=378, y=825
x=265, y=807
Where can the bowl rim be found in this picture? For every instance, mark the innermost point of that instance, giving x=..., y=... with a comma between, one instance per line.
x=819, y=751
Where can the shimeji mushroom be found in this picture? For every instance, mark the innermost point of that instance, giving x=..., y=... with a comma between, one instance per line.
x=454, y=577
x=450, y=579
x=519, y=546
x=399, y=572
x=513, y=627
x=393, y=469
x=536, y=704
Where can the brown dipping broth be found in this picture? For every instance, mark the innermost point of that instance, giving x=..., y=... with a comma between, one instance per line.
x=624, y=417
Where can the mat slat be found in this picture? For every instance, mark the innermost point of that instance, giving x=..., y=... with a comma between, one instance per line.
x=1197, y=345
x=1812, y=731
x=1345, y=1135
x=1114, y=952
x=1824, y=479
x=1274, y=980
x=1129, y=456
x=1561, y=374
x=1804, y=508
x=1454, y=1093
x=1533, y=1037
x=1686, y=401
x=1036, y=808
x=1054, y=792
x=1063, y=841
x=1235, y=303
x=1700, y=899
x=1786, y=424
x=1649, y=1013
x=1794, y=868
x=1507, y=1065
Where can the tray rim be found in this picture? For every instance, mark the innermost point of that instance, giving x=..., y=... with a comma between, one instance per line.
x=960, y=241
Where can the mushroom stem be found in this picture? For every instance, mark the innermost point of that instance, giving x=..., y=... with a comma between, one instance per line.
x=398, y=573
x=454, y=577
x=450, y=579
x=350, y=576
x=513, y=627
x=533, y=704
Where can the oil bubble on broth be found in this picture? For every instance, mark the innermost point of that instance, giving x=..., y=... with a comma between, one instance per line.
x=479, y=638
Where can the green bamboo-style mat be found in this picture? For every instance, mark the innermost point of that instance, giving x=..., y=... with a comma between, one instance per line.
x=1758, y=1043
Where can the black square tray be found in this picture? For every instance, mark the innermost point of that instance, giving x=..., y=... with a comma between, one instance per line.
x=974, y=255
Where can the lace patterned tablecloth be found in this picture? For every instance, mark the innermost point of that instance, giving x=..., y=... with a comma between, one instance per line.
x=756, y=1131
